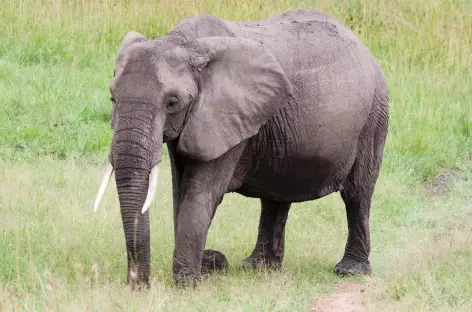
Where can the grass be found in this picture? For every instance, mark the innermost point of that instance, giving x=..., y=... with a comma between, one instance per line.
x=59, y=255
x=56, y=60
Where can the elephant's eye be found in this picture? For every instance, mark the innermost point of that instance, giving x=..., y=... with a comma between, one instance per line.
x=172, y=102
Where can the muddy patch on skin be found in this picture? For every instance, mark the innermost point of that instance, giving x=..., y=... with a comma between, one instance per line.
x=440, y=184
x=348, y=297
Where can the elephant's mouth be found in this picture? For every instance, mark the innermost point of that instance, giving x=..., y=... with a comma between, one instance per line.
x=151, y=193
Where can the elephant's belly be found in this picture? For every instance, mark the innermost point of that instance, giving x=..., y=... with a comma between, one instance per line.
x=296, y=180
x=304, y=153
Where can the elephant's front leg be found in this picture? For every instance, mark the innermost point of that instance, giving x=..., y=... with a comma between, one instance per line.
x=202, y=187
x=269, y=250
x=193, y=221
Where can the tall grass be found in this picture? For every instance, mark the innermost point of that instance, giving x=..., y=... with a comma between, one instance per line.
x=56, y=60
x=434, y=34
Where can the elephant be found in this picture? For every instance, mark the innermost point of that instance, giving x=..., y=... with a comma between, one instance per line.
x=287, y=109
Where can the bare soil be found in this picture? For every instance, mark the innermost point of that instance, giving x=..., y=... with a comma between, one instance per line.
x=348, y=297
x=440, y=184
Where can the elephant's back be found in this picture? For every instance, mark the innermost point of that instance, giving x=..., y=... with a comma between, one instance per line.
x=301, y=39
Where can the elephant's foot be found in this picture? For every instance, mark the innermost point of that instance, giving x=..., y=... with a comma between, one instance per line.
x=213, y=260
x=352, y=267
x=259, y=261
x=186, y=279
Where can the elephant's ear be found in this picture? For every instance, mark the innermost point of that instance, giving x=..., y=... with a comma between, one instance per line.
x=242, y=87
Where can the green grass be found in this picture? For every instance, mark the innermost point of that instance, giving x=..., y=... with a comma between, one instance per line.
x=56, y=60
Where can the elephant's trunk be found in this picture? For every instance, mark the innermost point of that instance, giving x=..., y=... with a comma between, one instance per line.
x=132, y=187
x=134, y=152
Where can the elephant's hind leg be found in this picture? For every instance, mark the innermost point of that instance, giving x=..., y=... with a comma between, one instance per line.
x=356, y=254
x=359, y=186
x=357, y=194
x=269, y=250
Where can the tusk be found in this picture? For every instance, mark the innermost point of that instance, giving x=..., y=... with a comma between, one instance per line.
x=103, y=186
x=152, y=188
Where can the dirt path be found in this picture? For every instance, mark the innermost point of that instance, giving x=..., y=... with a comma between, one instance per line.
x=348, y=297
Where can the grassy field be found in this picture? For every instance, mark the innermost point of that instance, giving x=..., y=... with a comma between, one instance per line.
x=56, y=60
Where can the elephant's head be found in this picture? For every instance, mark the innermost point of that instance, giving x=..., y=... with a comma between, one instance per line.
x=209, y=94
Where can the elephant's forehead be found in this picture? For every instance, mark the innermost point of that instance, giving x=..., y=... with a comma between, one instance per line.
x=135, y=60
x=152, y=61
x=167, y=72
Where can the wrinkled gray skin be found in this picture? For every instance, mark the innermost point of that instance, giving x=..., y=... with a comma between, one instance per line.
x=288, y=109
